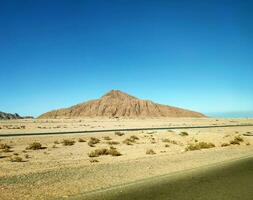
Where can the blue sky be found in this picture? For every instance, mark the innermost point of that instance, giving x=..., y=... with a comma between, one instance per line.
x=191, y=54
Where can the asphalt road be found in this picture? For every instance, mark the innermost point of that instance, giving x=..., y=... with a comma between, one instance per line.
x=226, y=181
x=126, y=129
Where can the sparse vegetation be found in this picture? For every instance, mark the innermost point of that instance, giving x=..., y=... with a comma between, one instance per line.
x=225, y=144
x=199, y=146
x=16, y=159
x=167, y=145
x=169, y=141
x=112, y=142
x=237, y=140
x=150, y=152
x=93, y=141
x=56, y=142
x=81, y=140
x=35, y=146
x=183, y=134
x=68, y=142
x=104, y=151
x=5, y=147
x=131, y=140
x=107, y=138
x=118, y=133
x=93, y=160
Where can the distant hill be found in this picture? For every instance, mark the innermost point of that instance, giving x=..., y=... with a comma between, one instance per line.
x=9, y=116
x=120, y=105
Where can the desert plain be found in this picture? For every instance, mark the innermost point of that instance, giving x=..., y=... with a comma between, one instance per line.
x=62, y=166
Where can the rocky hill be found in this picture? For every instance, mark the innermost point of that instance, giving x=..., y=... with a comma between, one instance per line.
x=117, y=104
x=9, y=116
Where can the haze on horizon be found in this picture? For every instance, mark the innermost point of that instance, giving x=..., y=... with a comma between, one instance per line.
x=190, y=54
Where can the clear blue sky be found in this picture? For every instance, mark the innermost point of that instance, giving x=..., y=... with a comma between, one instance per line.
x=192, y=54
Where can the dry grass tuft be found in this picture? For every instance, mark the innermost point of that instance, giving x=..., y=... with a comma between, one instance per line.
x=81, y=140
x=112, y=142
x=199, y=146
x=225, y=144
x=183, y=134
x=150, y=152
x=104, y=151
x=237, y=140
x=169, y=141
x=118, y=133
x=107, y=138
x=35, y=146
x=68, y=142
x=16, y=159
x=93, y=141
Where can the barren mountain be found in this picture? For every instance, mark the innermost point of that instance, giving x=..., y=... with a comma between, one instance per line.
x=119, y=104
x=9, y=116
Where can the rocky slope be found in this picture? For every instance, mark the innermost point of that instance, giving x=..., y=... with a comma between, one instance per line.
x=119, y=104
x=9, y=116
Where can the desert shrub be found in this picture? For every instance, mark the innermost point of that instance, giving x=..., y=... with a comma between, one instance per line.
x=167, y=145
x=15, y=154
x=169, y=141
x=134, y=137
x=237, y=140
x=198, y=146
x=112, y=142
x=128, y=141
x=107, y=138
x=5, y=146
x=93, y=160
x=225, y=144
x=150, y=152
x=27, y=156
x=35, y=146
x=114, y=152
x=56, y=142
x=104, y=151
x=16, y=159
x=118, y=133
x=247, y=143
x=81, y=140
x=68, y=142
x=93, y=141
x=183, y=134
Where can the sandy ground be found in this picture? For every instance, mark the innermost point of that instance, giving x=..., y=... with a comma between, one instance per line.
x=61, y=171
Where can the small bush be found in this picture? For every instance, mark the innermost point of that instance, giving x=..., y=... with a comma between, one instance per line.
x=114, y=152
x=35, y=146
x=107, y=138
x=199, y=146
x=81, y=140
x=118, y=133
x=67, y=142
x=134, y=137
x=56, y=142
x=93, y=141
x=183, y=134
x=16, y=159
x=169, y=141
x=247, y=143
x=93, y=160
x=128, y=141
x=167, y=145
x=237, y=140
x=225, y=145
x=104, y=151
x=150, y=152
x=5, y=146
x=112, y=142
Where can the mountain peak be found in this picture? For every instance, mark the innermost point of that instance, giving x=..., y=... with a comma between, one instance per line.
x=117, y=94
x=116, y=103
